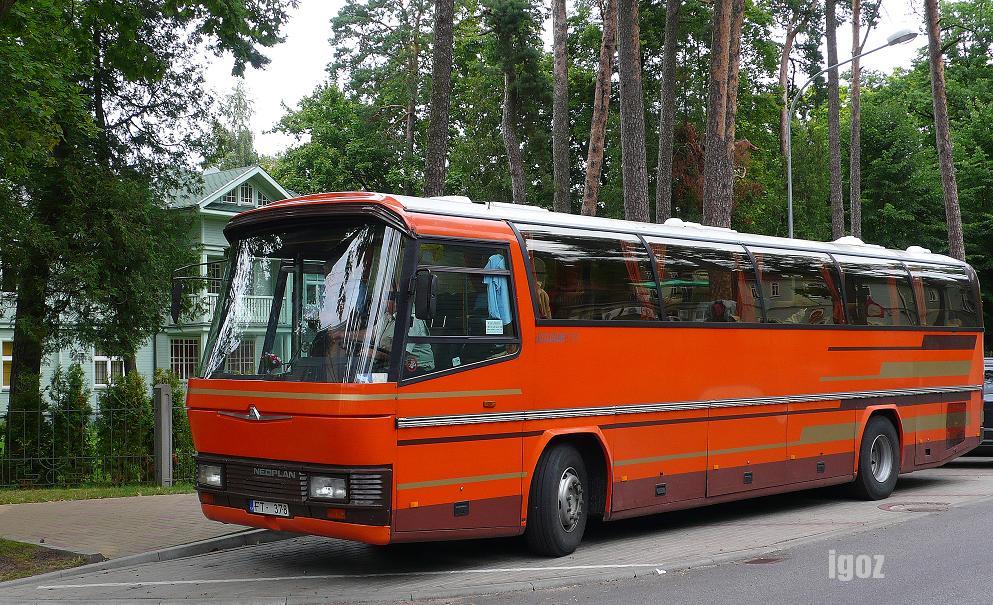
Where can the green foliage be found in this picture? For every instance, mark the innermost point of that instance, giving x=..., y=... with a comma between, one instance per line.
x=232, y=144
x=125, y=430
x=73, y=447
x=348, y=148
x=27, y=439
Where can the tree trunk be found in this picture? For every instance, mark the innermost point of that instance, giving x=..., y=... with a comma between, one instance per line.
x=855, y=148
x=31, y=325
x=560, y=108
x=30, y=328
x=413, y=75
x=514, y=157
x=784, y=84
x=716, y=169
x=734, y=64
x=834, y=124
x=634, y=167
x=436, y=168
x=667, y=113
x=5, y=6
x=601, y=105
x=953, y=213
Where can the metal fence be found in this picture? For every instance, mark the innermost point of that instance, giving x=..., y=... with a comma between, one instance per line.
x=67, y=448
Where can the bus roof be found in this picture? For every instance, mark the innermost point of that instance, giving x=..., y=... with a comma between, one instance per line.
x=463, y=207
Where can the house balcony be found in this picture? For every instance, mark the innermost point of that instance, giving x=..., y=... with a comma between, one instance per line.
x=255, y=312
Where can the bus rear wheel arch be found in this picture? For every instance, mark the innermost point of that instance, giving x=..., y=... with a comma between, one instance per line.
x=879, y=459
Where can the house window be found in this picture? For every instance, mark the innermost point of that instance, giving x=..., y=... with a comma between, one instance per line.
x=106, y=369
x=231, y=197
x=246, y=195
x=184, y=356
x=215, y=272
x=242, y=359
x=264, y=199
x=8, y=359
x=774, y=289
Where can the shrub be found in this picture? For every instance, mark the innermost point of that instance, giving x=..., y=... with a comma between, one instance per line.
x=27, y=437
x=125, y=431
x=72, y=426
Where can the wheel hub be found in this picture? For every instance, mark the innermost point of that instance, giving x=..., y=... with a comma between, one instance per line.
x=881, y=458
x=570, y=499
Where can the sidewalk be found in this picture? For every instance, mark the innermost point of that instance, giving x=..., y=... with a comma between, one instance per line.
x=112, y=527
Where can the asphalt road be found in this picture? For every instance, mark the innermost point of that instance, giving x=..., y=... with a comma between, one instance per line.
x=946, y=557
x=935, y=534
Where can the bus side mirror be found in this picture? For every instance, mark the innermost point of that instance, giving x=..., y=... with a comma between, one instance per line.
x=425, y=295
x=177, y=300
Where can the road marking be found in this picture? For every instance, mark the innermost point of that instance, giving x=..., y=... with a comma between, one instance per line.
x=399, y=574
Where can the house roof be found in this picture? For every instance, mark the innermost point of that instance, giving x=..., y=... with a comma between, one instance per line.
x=212, y=185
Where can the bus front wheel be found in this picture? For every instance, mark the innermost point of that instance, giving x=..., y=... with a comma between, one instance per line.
x=879, y=460
x=559, y=502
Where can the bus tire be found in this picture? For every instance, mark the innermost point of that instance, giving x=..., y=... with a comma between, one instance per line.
x=559, y=502
x=879, y=460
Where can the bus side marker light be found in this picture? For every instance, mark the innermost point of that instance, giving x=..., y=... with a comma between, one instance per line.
x=792, y=456
x=624, y=477
x=717, y=466
x=413, y=504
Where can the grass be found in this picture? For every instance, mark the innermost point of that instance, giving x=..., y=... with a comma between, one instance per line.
x=20, y=560
x=22, y=496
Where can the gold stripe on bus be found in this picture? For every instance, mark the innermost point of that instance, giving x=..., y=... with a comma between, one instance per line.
x=811, y=435
x=460, y=480
x=911, y=369
x=354, y=396
x=935, y=422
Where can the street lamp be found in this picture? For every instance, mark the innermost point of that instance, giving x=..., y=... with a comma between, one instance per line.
x=900, y=37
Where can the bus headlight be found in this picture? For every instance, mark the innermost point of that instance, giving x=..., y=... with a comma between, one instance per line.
x=328, y=488
x=210, y=475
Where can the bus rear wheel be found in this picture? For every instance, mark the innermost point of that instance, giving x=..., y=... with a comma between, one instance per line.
x=879, y=460
x=559, y=502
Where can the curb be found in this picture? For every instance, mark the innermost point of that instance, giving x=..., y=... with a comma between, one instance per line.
x=242, y=538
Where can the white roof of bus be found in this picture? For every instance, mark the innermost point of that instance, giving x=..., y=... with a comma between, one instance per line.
x=519, y=213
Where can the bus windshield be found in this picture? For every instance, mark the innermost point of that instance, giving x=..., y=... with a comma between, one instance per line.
x=308, y=304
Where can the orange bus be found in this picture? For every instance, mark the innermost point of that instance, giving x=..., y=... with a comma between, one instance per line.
x=390, y=369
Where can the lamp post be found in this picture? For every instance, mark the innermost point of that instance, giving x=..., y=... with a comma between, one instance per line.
x=900, y=37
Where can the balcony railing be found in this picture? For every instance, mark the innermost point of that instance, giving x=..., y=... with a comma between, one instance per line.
x=256, y=310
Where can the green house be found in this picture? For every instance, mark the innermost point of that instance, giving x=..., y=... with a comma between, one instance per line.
x=222, y=195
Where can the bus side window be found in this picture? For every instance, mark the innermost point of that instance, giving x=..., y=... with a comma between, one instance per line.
x=474, y=319
x=588, y=276
x=705, y=282
x=799, y=287
x=878, y=291
x=948, y=296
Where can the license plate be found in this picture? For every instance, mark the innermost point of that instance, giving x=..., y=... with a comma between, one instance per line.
x=277, y=509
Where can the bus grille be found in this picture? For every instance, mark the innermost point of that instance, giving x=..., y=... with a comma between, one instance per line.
x=241, y=479
x=365, y=490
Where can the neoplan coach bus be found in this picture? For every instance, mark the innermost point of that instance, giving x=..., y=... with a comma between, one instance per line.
x=389, y=369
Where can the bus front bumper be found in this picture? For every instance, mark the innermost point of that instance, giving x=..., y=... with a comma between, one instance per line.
x=370, y=534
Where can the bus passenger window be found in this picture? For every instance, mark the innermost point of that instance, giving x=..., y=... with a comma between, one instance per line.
x=948, y=295
x=799, y=287
x=878, y=292
x=589, y=276
x=474, y=318
x=705, y=282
